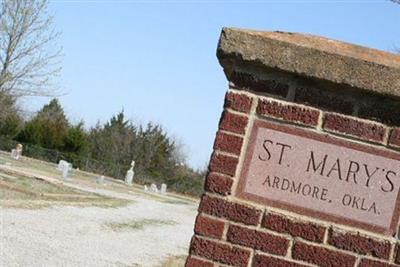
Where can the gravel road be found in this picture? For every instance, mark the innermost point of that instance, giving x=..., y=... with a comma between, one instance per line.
x=82, y=236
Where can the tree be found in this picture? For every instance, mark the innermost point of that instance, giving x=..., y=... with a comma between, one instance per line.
x=118, y=141
x=29, y=55
x=156, y=151
x=48, y=128
x=113, y=142
x=10, y=120
x=76, y=140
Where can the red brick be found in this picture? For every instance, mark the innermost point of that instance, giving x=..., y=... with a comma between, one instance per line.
x=223, y=164
x=321, y=256
x=371, y=263
x=228, y=143
x=193, y=262
x=231, y=211
x=309, y=231
x=258, y=240
x=288, y=112
x=360, y=244
x=219, y=184
x=369, y=131
x=248, y=81
x=394, y=139
x=219, y=252
x=263, y=260
x=209, y=227
x=233, y=123
x=238, y=102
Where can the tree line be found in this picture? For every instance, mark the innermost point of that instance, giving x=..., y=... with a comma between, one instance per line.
x=118, y=141
x=30, y=61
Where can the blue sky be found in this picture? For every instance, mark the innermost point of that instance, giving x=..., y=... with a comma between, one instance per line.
x=156, y=59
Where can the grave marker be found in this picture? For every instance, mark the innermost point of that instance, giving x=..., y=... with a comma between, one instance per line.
x=130, y=173
x=17, y=152
x=163, y=190
x=153, y=188
x=66, y=168
x=100, y=179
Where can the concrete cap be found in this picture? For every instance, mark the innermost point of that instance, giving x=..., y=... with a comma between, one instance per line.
x=312, y=56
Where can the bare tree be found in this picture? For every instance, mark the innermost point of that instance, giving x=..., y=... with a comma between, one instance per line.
x=29, y=54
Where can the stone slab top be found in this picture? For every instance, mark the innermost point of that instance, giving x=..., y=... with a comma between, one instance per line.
x=312, y=56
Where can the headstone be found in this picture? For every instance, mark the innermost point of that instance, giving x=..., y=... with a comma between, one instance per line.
x=100, y=179
x=14, y=154
x=17, y=152
x=65, y=168
x=153, y=188
x=308, y=149
x=129, y=174
x=163, y=190
x=61, y=164
x=146, y=188
x=65, y=172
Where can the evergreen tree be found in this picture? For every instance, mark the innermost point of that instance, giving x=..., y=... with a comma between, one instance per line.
x=113, y=141
x=119, y=141
x=76, y=140
x=10, y=120
x=48, y=128
x=155, y=151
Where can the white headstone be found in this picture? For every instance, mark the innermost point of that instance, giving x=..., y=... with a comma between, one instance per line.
x=17, y=152
x=14, y=153
x=65, y=173
x=129, y=176
x=146, y=188
x=130, y=173
x=65, y=167
x=100, y=179
x=163, y=190
x=61, y=164
x=153, y=188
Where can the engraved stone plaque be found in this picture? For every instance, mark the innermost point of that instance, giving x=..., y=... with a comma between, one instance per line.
x=321, y=176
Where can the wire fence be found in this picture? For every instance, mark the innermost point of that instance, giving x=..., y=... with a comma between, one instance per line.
x=86, y=163
x=51, y=155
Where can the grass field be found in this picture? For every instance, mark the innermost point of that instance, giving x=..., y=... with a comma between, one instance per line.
x=30, y=183
x=18, y=191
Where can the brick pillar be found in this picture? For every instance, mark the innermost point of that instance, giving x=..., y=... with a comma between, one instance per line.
x=306, y=164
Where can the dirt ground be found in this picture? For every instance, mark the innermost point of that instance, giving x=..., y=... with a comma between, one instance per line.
x=46, y=221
